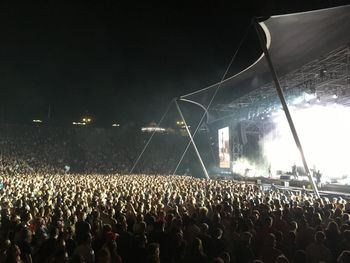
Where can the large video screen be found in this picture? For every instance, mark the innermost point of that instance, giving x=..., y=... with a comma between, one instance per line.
x=224, y=148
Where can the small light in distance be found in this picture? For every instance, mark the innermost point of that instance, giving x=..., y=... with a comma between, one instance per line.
x=115, y=125
x=37, y=121
x=152, y=129
x=180, y=123
x=79, y=123
x=86, y=120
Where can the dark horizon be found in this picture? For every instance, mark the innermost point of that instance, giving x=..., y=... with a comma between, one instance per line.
x=118, y=63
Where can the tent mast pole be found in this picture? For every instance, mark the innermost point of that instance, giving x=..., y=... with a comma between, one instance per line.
x=191, y=138
x=285, y=106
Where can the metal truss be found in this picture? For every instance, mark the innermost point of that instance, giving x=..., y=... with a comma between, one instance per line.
x=237, y=148
x=327, y=78
x=257, y=127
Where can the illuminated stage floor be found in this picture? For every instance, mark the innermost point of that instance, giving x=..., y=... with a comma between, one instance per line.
x=339, y=187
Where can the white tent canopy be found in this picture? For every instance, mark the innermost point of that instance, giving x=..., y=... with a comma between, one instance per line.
x=292, y=40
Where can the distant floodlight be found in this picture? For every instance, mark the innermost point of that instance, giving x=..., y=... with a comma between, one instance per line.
x=79, y=123
x=86, y=120
x=152, y=129
x=37, y=121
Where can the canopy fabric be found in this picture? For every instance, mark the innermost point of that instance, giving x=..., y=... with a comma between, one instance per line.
x=292, y=40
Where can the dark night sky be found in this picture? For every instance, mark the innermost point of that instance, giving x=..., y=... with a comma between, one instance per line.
x=118, y=62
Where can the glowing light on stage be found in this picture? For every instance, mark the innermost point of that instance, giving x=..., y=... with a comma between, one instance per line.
x=244, y=167
x=324, y=133
x=298, y=100
x=306, y=97
x=309, y=96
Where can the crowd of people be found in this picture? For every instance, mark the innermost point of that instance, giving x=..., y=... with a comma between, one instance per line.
x=103, y=214
x=45, y=149
x=153, y=218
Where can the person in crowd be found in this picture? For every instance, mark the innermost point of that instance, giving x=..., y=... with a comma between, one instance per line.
x=269, y=253
x=318, y=251
x=195, y=253
x=84, y=249
x=344, y=257
x=300, y=256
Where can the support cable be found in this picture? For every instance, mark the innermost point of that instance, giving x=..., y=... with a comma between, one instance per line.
x=150, y=138
x=193, y=143
x=214, y=95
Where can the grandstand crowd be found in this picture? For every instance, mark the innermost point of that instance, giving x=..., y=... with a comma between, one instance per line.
x=45, y=149
x=100, y=213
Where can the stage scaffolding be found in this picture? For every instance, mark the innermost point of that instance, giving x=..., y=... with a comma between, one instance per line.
x=323, y=81
x=327, y=78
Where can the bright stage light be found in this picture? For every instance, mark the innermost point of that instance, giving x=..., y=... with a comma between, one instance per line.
x=244, y=167
x=324, y=134
x=309, y=96
x=298, y=100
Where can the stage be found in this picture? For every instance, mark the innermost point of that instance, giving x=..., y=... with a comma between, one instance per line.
x=340, y=187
